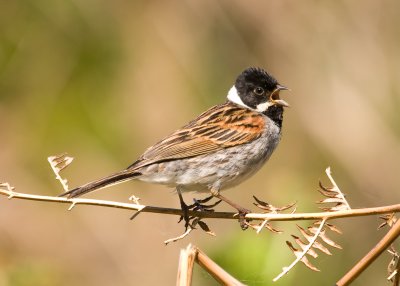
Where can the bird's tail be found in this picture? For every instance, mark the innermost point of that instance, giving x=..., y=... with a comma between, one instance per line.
x=113, y=179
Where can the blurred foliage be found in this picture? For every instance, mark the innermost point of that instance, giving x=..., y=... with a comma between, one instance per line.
x=248, y=263
x=32, y=273
x=102, y=80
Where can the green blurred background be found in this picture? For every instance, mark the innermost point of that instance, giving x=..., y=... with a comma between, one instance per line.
x=103, y=80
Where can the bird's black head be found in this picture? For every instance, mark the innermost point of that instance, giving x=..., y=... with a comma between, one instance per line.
x=256, y=89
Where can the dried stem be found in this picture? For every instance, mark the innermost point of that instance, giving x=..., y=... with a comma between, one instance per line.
x=217, y=215
x=304, y=252
x=219, y=274
x=363, y=264
x=185, y=268
x=336, y=188
x=182, y=236
x=193, y=254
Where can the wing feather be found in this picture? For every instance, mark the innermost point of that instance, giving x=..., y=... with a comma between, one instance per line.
x=220, y=127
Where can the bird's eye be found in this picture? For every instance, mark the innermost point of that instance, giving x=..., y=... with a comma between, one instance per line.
x=259, y=91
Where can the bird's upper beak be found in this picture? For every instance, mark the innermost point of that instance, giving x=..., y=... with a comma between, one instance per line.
x=275, y=96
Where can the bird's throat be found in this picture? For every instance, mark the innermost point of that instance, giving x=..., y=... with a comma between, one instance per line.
x=275, y=113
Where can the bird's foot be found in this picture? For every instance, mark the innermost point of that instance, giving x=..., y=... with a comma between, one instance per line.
x=185, y=215
x=198, y=205
x=244, y=223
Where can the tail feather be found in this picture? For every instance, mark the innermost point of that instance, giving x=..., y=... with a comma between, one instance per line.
x=101, y=183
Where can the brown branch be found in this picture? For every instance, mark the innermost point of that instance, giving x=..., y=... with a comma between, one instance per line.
x=193, y=254
x=363, y=264
x=219, y=274
x=215, y=215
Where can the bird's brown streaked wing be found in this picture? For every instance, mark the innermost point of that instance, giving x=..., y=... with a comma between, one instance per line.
x=220, y=127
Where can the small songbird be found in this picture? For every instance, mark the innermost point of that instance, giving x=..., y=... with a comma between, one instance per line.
x=219, y=149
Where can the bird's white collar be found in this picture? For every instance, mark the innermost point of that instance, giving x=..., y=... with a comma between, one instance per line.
x=235, y=98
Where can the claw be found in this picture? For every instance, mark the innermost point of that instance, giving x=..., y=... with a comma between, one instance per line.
x=198, y=205
x=244, y=223
x=185, y=209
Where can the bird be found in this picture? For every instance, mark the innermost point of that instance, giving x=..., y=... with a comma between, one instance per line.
x=219, y=149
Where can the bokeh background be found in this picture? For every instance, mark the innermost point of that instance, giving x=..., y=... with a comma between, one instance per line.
x=103, y=80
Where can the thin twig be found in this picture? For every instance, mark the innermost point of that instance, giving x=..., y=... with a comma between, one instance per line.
x=363, y=264
x=262, y=225
x=188, y=230
x=336, y=188
x=186, y=233
x=216, y=215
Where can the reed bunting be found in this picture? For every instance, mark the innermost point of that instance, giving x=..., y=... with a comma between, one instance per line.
x=219, y=149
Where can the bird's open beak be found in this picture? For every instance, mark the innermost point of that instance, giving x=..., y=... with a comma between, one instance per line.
x=275, y=96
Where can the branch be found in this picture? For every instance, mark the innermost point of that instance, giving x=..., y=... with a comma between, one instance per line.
x=193, y=254
x=217, y=215
x=382, y=245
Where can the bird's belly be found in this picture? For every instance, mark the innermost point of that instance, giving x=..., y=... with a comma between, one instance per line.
x=220, y=170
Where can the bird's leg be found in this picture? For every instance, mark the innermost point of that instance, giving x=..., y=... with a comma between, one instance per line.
x=185, y=209
x=242, y=211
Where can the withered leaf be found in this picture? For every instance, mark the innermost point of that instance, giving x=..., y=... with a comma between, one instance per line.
x=205, y=227
x=339, y=207
x=329, y=241
x=393, y=266
x=331, y=200
x=331, y=227
x=272, y=229
x=389, y=220
x=60, y=162
x=270, y=208
x=320, y=246
x=305, y=233
x=303, y=246
x=303, y=258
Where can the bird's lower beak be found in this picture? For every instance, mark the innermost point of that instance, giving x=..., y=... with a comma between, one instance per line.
x=281, y=102
x=275, y=96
